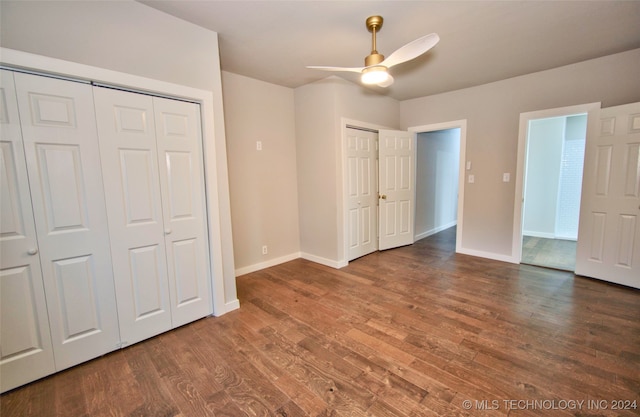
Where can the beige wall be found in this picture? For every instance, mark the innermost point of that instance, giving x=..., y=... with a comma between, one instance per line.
x=132, y=38
x=263, y=184
x=120, y=35
x=493, y=111
x=315, y=118
x=320, y=110
x=356, y=103
x=289, y=196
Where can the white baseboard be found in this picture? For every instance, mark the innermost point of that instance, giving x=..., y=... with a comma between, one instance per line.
x=572, y=238
x=488, y=255
x=434, y=230
x=548, y=235
x=232, y=305
x=228, y=306
x=266, y=264
x=323, y=261
x=538, y=234
x=277, y=261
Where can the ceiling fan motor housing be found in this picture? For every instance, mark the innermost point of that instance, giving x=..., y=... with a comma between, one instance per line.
x=373, y=59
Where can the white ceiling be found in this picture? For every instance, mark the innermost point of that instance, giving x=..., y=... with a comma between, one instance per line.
x=481, y=41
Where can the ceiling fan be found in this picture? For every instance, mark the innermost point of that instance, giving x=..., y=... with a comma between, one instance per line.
x=375, y=70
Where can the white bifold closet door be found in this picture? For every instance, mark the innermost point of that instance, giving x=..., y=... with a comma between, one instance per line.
x=151, y=150
x=63, y=161
x=67, y=196
x=183, y=206
x=25, y=340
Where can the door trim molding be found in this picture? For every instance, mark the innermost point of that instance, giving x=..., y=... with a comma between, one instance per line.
x=462, y=125
x=523, y=133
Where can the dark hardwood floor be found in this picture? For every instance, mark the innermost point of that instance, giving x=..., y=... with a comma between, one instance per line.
x=415, y=331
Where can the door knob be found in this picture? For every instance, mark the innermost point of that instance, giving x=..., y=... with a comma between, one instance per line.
x=32, y=251
x=167, y=231
x=383, y=196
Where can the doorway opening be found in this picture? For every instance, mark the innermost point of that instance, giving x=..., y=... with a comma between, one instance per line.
x=440, y=179
x=552, y=187
x=437, y=176
x=549, y=185
x=379, y=186
x=441, y=183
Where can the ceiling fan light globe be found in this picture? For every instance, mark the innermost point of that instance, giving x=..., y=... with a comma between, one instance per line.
x=374, y=75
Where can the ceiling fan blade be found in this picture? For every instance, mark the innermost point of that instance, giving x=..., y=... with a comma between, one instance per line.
x=411, y=50
x=336, y=69
x=386, y=83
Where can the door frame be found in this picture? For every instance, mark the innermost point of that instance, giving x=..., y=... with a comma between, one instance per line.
x=215, y=173
x=454, y=124
x=343, y=206
x=523, y=137
x=343, y=209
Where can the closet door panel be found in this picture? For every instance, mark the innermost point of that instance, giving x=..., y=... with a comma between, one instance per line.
x=25, y=340
x=64, y=196
x=182, y=181
x=63, y=162
x=129, y=153
x=148, y=292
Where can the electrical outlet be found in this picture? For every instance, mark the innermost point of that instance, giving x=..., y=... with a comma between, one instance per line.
x=259, y=145
x=471, y=179
x=506, y=177
x=265, y=250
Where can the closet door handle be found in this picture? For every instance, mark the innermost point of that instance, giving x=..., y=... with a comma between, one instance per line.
x=167, y=231
x=32, y=251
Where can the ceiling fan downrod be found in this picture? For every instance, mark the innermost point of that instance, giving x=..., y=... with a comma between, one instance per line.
x=374, y=23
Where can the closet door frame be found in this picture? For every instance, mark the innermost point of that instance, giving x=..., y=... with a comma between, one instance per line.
x=223, y=290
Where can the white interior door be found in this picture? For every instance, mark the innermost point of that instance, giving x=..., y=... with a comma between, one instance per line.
x=609, y=230
x=396, y=184
x=129, y=153
x=25, y=340
x=182, y=187
x=63, y=163
x=362, y=195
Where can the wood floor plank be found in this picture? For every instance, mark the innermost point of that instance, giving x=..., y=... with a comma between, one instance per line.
x=156, y=397
x=248, y=387
x=414, y=331
x=31, y=401
x=106, y=380
x=73, y=401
